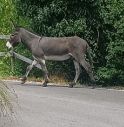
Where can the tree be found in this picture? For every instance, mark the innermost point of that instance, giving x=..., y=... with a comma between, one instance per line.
x=113, y=15
x=7, y=11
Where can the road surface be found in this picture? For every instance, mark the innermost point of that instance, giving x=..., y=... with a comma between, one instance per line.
x=52, y=106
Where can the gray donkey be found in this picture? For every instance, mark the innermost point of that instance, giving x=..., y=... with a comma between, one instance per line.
x=53, y=48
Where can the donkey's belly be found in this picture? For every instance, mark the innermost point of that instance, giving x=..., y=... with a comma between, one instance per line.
x=58, y=58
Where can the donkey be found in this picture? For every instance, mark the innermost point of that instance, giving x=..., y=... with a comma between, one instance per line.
x=53, y=48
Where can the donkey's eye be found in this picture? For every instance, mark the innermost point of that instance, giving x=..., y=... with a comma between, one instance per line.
x=12, y=35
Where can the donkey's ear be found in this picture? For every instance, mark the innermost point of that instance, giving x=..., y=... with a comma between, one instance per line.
x=17, y=28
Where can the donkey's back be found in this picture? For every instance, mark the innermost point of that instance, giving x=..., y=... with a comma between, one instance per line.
x=62, y=45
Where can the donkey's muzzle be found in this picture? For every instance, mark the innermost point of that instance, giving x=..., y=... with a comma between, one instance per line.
x=8, y=45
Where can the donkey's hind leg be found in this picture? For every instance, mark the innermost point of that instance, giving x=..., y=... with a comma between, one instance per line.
x=29, y=68
x=88, y=69
x=44, y=68
x=77, y=69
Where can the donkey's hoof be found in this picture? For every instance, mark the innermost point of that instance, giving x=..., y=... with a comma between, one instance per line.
x=93, y=84
x=44, y=84
x=71, y=85
x=23, y=80
x=93, y=87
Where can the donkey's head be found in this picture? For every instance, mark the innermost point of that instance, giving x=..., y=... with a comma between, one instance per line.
x=15, y=38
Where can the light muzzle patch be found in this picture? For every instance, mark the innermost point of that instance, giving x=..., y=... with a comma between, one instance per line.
x=8, y=45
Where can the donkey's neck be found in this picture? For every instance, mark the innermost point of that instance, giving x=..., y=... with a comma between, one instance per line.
x=28, y=37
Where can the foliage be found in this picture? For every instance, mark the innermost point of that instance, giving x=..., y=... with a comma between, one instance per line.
x=113, y=15
x=6, y=12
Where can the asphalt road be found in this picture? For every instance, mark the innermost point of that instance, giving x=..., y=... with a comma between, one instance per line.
x=52, y=106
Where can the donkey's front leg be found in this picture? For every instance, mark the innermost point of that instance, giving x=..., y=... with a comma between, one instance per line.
x=29, y=68
x=44, y=68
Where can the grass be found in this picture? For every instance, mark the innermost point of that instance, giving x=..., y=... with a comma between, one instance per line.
x=61, y=80
x=53, y=78
x=5, y=99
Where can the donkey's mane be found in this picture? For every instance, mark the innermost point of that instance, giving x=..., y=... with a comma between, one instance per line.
x=28, y=29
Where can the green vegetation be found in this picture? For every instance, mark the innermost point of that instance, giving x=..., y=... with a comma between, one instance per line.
x=6, y=12
x=100, y=22
x=113, y=15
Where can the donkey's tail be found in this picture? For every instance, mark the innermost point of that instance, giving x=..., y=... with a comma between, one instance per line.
x=89, y=55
